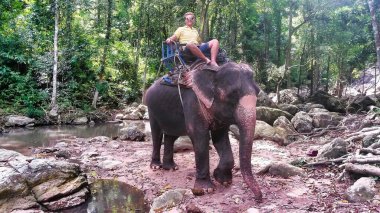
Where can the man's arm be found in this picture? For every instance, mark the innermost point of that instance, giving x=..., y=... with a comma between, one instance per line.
x=171, y=39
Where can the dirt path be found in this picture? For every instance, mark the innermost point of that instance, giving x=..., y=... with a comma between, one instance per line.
x=317, y=191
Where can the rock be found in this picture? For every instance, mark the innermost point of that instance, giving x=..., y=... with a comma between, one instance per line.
x=133, y=115
x=314, y=107
x=284, y=123
x=334, y=149
x=317, y=110
x=369, y=140
x=269, y=115
x=253, y=210
x=360, y=103
x=264, y=100
x=15, y=120
x=183, y=144
x=68, y=201
x=26, y=182
x=99, y=139
x=170, y=198
x=312, y=152
x=266, y=131
x=142, y=109
x=192, y=208
x=146, y=116
x=61, y=145
x=132, y=133
x=119, y=116
x=110, y=164
x=63, y=154
x=302, y=122
x=325, y=119
x=281, y=169
x=80, y=121
x=290, y=108
x=330, y=102
x=91, y=123
x=289, y=96
x=114, y=144
x=362, y=190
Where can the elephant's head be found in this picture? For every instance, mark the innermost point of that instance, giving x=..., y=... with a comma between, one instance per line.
x=230, y=94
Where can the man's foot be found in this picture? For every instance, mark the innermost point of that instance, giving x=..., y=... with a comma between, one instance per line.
x=213, y=63
x=208, y=61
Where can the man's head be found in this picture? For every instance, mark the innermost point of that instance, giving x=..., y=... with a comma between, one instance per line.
x=189, y=19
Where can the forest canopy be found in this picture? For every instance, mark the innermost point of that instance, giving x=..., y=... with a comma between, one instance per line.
x=111, y=48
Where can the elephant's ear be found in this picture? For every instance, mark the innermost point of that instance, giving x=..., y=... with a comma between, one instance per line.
x=204, y=85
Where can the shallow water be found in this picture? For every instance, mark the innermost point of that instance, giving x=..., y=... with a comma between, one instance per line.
x=22, y=139
x=112, y=196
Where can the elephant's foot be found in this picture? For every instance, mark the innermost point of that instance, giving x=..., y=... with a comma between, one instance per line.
x=170, y=166
x=155, y=165
x=203, y=186
x=224, y=177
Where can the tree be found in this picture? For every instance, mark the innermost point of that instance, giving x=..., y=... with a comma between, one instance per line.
x=54, y=105
x=101, y=84
x=372, y=9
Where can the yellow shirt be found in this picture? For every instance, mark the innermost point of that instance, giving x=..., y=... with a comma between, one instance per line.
x=186, y=35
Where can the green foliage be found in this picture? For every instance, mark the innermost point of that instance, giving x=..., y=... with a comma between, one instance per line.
x=251, y=31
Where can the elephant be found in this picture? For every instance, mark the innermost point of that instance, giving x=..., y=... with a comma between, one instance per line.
x=216, y=100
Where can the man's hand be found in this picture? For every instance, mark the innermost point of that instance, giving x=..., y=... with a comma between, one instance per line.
x=169, y=40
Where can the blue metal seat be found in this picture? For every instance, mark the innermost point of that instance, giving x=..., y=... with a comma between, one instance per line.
x=171, y=55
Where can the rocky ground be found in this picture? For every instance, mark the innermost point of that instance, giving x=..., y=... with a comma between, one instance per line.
x=315, y=189
x=287, y=138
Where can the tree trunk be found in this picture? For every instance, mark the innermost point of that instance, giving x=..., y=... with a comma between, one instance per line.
x=371, y=4
x=278, y=19
x=105, y=51
x=327, y=74
x=54, y=105
x=300, y=68
x=204, y=20
x=289, y=45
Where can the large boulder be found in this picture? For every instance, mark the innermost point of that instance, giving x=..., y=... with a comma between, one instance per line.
x=302, y=122
x=289, y=96
x=325, y=119
x=292, y=109
x=265, y=131
x=330, y=102
x=362, y=190
x=360, y=103
x=27, y=183
x=284, y=123
x=269, y=115
x=80, y=121
x=334, y=149
x=15, y=120
x=264, y=100
x=132, y=133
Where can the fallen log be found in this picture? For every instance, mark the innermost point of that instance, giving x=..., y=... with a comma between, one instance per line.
x=364, y=160
x=362, y=169
x=368, y=150
x=326, y=162
x=375, y=145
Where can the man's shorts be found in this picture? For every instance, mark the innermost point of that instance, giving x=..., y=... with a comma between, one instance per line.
x=204, y=47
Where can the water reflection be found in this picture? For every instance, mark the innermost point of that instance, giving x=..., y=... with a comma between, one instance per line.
x=113, y=196
x=21, y=139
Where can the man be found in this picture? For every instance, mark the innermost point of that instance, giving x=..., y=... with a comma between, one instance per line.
x=189, y=35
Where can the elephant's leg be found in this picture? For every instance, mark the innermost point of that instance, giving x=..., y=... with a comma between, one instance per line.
x=157, y=141
x=223, y=173
x=168, y=161
x=203, y=183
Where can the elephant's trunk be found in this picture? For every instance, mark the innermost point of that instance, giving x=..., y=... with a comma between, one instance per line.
x=245, y=116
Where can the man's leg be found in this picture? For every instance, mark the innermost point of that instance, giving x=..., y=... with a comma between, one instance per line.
x=197, y=52
x=214, y=46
